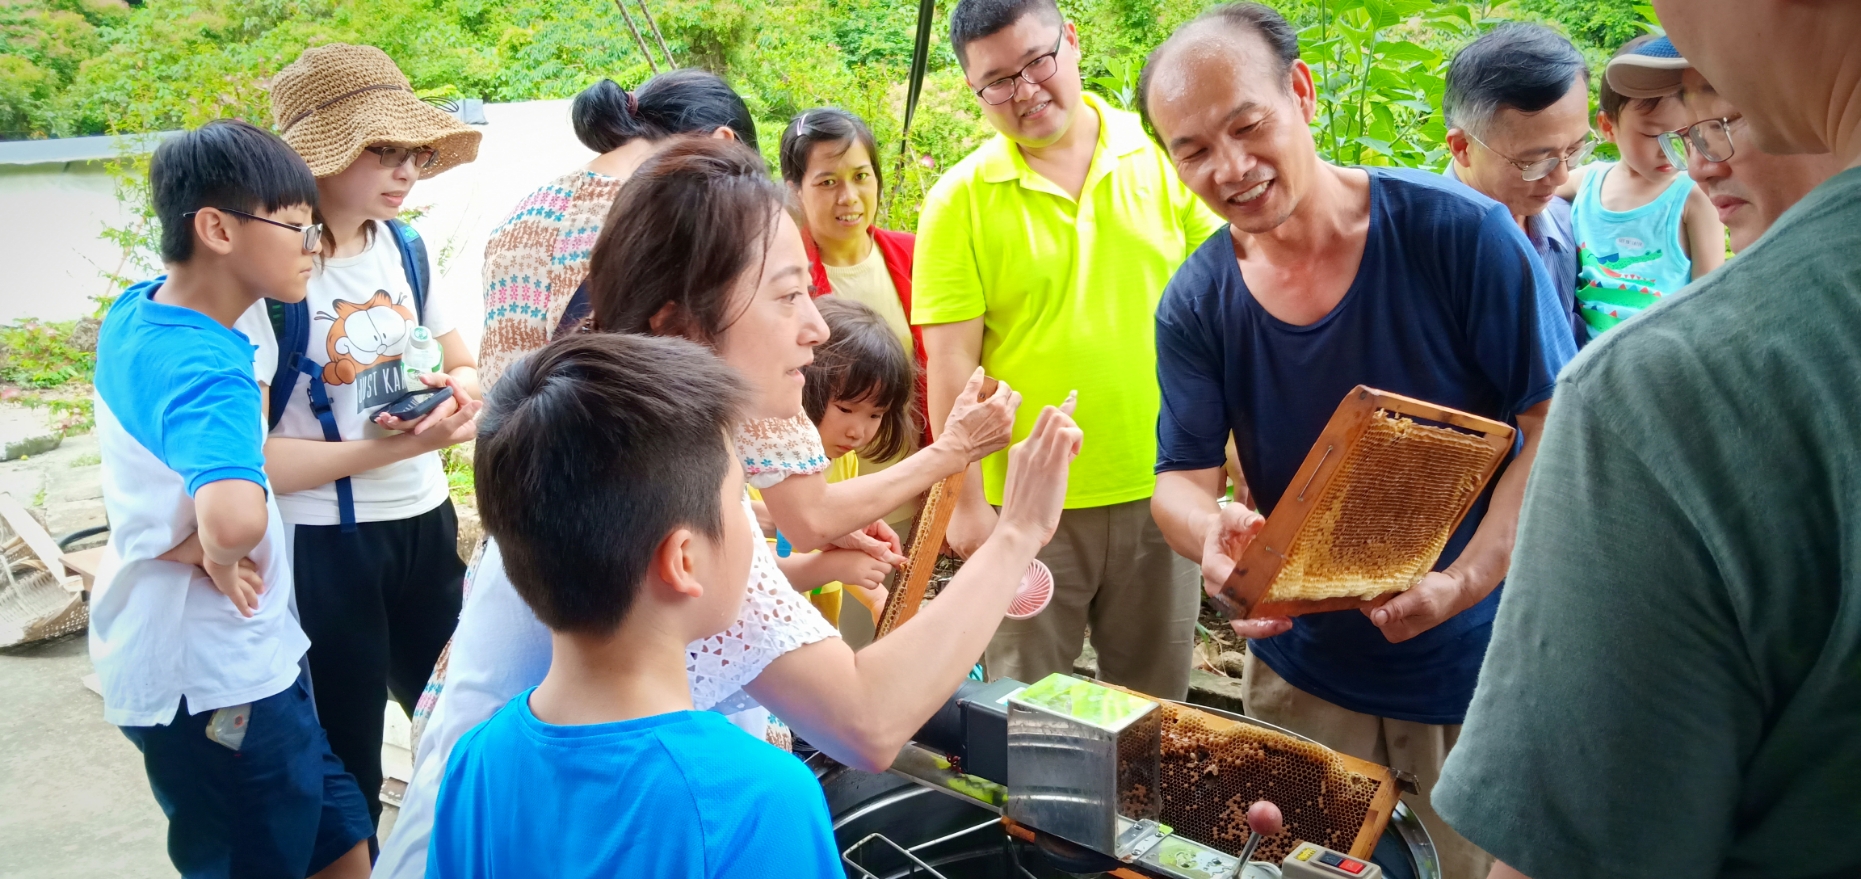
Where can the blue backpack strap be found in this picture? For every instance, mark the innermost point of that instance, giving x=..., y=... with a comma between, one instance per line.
x=290, y=325
x=414, y=262
x=326, y=416
x=579, y=307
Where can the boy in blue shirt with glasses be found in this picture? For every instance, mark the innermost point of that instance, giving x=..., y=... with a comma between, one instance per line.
x=193, y=629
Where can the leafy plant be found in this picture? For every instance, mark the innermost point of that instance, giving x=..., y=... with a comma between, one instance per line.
x=37, y=354
x=1380, y=69
x=1119, y=84
x=71, y=414
x=456, y=462
x=138, y=239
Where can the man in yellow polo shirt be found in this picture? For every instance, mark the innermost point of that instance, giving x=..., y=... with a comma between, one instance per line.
x=1042, y=256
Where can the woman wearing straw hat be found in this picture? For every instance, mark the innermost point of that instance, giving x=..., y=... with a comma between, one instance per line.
x=374, y=534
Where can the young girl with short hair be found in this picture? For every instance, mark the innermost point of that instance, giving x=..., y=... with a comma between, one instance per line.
x=861, y=394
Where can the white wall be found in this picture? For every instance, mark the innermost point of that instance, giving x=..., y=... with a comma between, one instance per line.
x=525, y=145
x=49, y=217
x=51, y=259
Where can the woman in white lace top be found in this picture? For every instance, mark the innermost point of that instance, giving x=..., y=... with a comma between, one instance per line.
x=747, y=297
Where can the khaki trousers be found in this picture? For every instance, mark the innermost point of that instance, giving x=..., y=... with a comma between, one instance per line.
x=1419, y=748
x=1112, y=570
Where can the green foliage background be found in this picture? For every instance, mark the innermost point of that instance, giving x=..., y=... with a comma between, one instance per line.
x=89, y=67
x=76, y=67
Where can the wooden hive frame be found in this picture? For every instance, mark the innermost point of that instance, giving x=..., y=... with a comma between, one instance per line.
x=1377, y=815
x=1261, y=563
x=925, y=544
x=920, y=555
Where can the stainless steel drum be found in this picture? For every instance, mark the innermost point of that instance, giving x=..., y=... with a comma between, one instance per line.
x=956, y=838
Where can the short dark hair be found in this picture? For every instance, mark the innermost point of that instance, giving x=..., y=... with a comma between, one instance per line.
x=687, y=101
x=687, y=225
x=590, y=452
x=973, y=20
x=1527, y=67
x=1611, y=101
x=828, y=125
x=225, y=164
x=1262, y=21
x=863, y=360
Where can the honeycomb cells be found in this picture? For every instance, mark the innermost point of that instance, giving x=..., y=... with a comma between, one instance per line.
x=1213, y=769
x=1137, y=767
x=1386, y=513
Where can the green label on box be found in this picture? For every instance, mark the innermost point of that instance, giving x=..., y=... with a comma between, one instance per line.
x=1086, y=701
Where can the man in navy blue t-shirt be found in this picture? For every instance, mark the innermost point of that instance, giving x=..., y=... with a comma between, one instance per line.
x=1328, y=278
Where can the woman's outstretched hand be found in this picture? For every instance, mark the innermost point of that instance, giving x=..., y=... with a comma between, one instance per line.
x=1037, y=471
x=976, y=428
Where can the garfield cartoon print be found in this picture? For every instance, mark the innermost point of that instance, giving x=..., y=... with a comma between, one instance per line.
x=364, y=342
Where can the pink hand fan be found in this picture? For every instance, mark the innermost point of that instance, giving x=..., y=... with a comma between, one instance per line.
x=1035, y=591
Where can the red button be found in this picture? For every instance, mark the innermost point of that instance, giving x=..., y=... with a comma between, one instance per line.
x=1352, y=867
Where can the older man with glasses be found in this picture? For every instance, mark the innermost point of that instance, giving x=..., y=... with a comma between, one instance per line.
x=1750, y=188
x=1041, y=257
x=1674, y=682
x=1517, y=106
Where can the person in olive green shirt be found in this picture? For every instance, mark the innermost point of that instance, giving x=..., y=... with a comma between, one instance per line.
x=1042, y=256
x=1673, y=686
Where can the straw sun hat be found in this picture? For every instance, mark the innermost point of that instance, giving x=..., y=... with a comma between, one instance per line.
x=335, y=100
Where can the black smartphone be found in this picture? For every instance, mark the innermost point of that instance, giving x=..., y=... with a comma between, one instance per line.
x=414, y=404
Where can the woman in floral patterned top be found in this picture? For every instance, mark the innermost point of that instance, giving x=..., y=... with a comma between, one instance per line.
x=539, y=255
x=747, y=297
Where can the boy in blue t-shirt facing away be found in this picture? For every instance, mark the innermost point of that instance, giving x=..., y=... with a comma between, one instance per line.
x=193, y=631
x=607, y=476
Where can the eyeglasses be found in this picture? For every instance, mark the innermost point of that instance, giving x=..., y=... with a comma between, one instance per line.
x=313, y=233
x=1711, y=137
x=1538, y=169
x=394, y=157
x=1036, y=72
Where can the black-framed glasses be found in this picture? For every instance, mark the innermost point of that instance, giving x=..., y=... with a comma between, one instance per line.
x=393, y=157
x=1538, y=169
x=313, y=233
x=1036, y=72
x=1711, y=137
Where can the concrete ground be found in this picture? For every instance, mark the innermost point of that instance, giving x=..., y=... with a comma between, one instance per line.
x=74, y=801
x=73, y=798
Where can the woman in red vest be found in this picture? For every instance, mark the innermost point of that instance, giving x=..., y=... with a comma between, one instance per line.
x=830, y=162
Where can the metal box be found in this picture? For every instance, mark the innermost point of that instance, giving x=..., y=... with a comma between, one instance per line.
x=1082, y=764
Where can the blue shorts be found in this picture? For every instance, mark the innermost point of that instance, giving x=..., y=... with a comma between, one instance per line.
x=280, y=806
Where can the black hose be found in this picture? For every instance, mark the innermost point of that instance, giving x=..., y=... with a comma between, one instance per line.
x=75, y=536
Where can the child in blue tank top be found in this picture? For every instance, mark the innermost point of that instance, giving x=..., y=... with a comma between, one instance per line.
x=1643, y=229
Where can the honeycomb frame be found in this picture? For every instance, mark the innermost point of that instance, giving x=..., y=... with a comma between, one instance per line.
x=920, y=555
x=1212, y=768
x=925, y=545
x=1379, y=453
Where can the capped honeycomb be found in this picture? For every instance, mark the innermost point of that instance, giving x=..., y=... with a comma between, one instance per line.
x=1386, y=513
x=1213, y=768
x=1137, y=767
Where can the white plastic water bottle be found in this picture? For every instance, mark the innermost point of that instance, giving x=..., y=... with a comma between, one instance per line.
x=422, y=357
